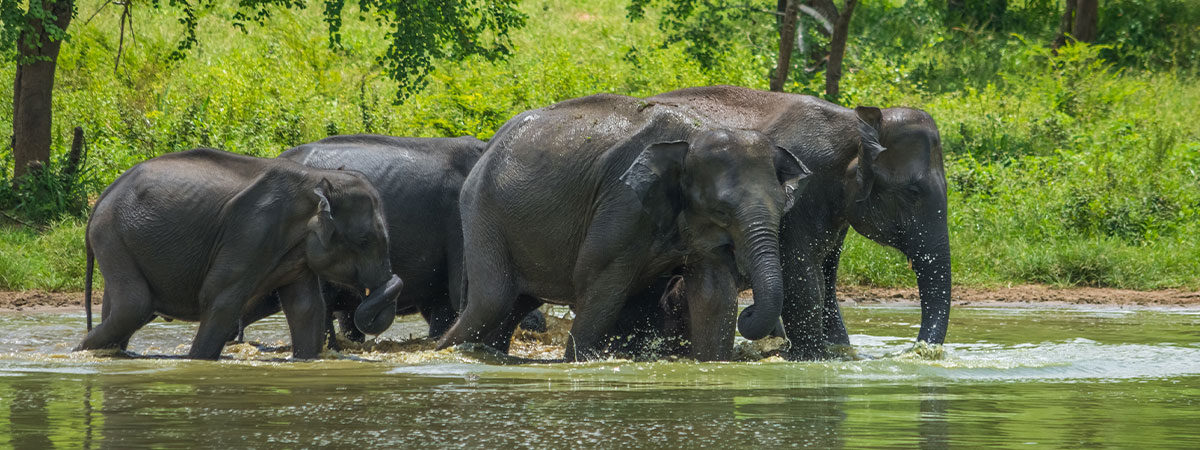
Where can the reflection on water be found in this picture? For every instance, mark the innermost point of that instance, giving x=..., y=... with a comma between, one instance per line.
x=1010, y=377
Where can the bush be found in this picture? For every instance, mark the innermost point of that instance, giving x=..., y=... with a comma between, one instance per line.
x=1075, y=167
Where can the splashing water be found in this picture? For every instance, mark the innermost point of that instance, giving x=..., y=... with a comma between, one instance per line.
x=1005, y=377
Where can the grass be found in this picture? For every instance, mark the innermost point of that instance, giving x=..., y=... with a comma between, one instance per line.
x=1075, y=168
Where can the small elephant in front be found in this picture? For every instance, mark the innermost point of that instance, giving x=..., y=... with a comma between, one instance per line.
x=588, y=201
x=196, y=235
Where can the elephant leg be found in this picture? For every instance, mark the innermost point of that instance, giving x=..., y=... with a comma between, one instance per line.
x=501, y=339
x=712, y=306
x=219, y=321
x=596, y=312
x=835, y=327
x=127, y=306
x=490, y=298
x=439, y=314
x=258, y=310
x=341, y=303
x=304, y=308
x=803, y=313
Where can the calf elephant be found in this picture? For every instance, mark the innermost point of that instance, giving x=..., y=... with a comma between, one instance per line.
x=195, y=235
x=879, y=171
x=418, y=180
x=584, y=202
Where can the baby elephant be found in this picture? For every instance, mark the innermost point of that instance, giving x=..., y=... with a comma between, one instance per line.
x=194, y=235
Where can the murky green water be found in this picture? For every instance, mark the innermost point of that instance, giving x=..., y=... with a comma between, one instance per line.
x=1011, y=378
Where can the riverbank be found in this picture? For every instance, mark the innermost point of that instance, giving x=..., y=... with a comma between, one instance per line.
x=1023, y=295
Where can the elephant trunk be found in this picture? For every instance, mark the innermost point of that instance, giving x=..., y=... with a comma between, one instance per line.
x=378, y=310
x=930, y=256
x=760, y=253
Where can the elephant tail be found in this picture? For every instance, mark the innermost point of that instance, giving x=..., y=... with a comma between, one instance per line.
x=87, y=284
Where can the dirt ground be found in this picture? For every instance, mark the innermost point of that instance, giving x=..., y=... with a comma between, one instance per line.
x=1026, y=295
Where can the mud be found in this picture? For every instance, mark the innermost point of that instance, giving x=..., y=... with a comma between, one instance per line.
x=1023, y=295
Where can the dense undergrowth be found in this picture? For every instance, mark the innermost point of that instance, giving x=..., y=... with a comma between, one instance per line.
x=1080, y=167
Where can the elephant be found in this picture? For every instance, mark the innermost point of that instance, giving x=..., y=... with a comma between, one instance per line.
x=418, y=180
x=196, y=235
x=877, y=170
x=583, y=202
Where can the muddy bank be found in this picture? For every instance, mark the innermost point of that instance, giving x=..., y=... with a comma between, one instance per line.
x=1026, y=295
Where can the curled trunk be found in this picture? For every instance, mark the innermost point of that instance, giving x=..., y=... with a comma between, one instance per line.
x=760, y=251
x=378, y=310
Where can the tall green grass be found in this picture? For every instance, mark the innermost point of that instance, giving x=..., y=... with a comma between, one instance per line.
x=1080, y=167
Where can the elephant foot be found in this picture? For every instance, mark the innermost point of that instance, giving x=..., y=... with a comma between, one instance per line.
x=923, y=350
x=534, y=321
x=808, y=352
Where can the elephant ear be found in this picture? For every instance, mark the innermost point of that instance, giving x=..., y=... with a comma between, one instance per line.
x=322, y=223
x=792, y=174
x=870, y=121
x=655, y=173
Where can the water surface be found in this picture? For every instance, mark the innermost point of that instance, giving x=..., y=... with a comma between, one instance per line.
x=1078, y=378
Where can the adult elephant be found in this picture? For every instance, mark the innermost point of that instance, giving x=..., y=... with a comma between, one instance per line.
x=196, y=235
x=585, y=201
x=878, y=171
x=418, y=180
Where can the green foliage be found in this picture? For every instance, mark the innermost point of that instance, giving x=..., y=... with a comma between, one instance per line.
x=1151, y=34
x=51, y=260
x=1078, y=167
x=17, y=20
x=49, y=193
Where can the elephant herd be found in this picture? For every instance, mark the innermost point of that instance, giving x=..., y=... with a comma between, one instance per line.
x=646, y=216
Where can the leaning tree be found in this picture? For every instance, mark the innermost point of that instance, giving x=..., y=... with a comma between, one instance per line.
x=419, y=32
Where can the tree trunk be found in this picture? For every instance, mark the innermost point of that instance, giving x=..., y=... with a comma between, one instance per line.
x=1079, y=19
x=837, y=49
x=34, y=83
x=1086, y=16
x=787, y=38
x=1064, y=25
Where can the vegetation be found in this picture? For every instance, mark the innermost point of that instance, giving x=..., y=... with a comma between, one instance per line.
x=1079, y=166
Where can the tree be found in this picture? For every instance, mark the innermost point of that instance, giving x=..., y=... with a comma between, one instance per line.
x=787, y=35
x=837, y=47
x=704, y=27
x=33, y=36
x=1079, y=20
x=420, y=33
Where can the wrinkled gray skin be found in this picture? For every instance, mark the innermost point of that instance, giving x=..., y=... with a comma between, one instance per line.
x=582, y=202
x=879, y=171
x=196, y=235
x=418, y=180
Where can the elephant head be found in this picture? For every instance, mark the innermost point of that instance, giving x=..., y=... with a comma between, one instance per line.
x=347, y=244
x=732, y=187
x=896, y=194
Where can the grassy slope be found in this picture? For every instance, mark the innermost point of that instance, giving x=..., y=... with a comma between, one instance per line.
x=1061, y=171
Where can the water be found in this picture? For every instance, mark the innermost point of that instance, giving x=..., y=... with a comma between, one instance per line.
x=1010, y=378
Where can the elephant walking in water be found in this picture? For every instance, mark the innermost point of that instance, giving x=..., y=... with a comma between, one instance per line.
x=877, y=170
x=196, y=235
x=418, y=180
x=587, y=201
